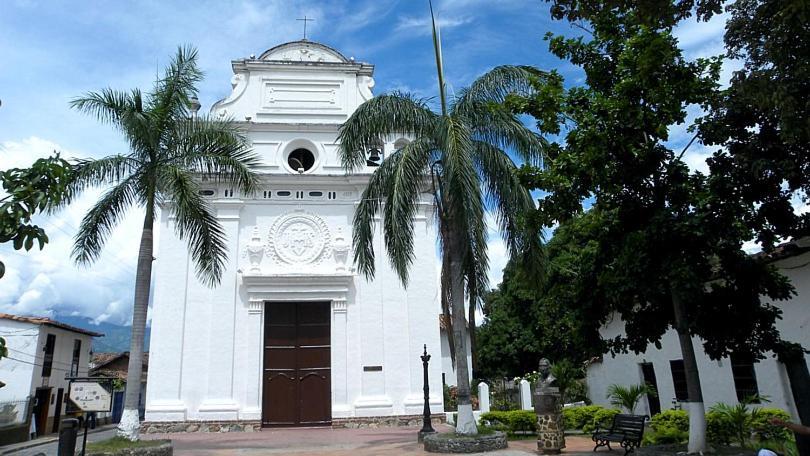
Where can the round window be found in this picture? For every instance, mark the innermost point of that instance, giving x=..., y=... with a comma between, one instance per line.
x=301, y=160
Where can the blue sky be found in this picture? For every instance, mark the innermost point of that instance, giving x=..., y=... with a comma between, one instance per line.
x=52, y=51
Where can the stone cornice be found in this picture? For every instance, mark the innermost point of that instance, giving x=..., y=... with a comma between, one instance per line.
x=358, y=68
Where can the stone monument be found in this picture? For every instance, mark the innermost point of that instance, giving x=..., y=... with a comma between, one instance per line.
x=548, y=407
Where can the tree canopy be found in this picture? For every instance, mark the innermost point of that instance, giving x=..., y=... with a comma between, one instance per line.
x=42, y=188
x=527, y=319
x=667, y=239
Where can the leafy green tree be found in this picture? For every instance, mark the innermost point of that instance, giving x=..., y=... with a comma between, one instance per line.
x=761, y=122
x=663, y=231
x=459, y=156
x=527, y=318
x=42, y=188
x=169, y=151
x=628, y=397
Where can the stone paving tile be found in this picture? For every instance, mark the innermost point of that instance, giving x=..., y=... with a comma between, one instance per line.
x=332, y=442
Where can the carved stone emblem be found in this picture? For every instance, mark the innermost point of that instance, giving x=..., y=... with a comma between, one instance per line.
x=341, y=250
x=255, y=251
x=299, y=238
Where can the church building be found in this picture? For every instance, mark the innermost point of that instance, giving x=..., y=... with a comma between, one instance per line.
x=293, y=335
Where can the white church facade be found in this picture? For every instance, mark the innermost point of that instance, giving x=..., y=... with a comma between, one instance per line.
x=293, y=335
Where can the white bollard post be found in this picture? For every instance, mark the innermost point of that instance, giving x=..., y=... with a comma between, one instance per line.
x=525, y=395
x=483, y=397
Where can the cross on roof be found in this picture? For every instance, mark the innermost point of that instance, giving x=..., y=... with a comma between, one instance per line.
x=305, y=19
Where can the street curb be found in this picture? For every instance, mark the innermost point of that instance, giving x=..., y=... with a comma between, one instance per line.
x=46, y=440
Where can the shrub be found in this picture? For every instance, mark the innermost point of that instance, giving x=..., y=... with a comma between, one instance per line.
x=719, y=428
x=677, y=419
x=513, y=420
x=668, y=427
x=579, y=417
x=664, y=434
x=604, y=418
x=764, y=430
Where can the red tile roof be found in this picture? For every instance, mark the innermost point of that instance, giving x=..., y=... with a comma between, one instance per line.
x=48, y=322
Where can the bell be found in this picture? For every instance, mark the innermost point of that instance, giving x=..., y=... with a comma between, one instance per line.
x=373, y=157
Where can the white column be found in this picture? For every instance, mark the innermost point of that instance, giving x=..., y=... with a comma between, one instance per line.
x=252, y=409
x=483, y=397
x=219, y=402
x=340, y=397
x=164, y=401
x=525, y=395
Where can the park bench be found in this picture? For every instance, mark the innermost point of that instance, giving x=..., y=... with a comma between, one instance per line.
x=626, y=430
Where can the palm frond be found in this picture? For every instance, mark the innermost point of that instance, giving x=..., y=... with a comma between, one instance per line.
x=629, y=396
x=462, y=192
x=102, y=171
x=217, y=150
x=506, y=196
x=402, y=198
x=124, y=110
x=437, y=51
x=197, y=223
x=169, y=101
x=108, y=105
x=380, y=117
x=364, y=216
x=498, y=83
x=100, y=220
x=495, y=124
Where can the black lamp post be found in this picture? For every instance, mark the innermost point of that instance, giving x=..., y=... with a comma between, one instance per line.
x=426, y=424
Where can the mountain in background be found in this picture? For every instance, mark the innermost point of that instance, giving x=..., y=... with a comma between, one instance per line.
x=116, y=337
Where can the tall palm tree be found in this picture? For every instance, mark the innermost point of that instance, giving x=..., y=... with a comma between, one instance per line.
x=460, y=156
x=170, y=148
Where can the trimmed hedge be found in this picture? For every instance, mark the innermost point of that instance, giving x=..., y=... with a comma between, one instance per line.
x=668, y=427
x=588, y=418
x=679, y=419
x=512, y=421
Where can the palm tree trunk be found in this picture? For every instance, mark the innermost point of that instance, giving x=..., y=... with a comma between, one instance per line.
x=129, y=426
x=697, y=411
x=791, y=355
x=445, y=298
x=465, y=422
x=471, y=322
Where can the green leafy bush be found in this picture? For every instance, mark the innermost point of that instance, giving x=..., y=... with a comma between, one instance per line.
x=513, y=421
x=678, y=419
x=579, y=417
x=764, y=430
x=665, y=434
x=719, y=428
x=604, y=418
x=668, y=427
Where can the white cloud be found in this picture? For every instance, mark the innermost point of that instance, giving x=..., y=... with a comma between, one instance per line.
x=702, y=39
x=45, y=282
x=421, y=25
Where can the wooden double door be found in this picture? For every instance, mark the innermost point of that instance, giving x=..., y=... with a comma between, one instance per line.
x=297, y=364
